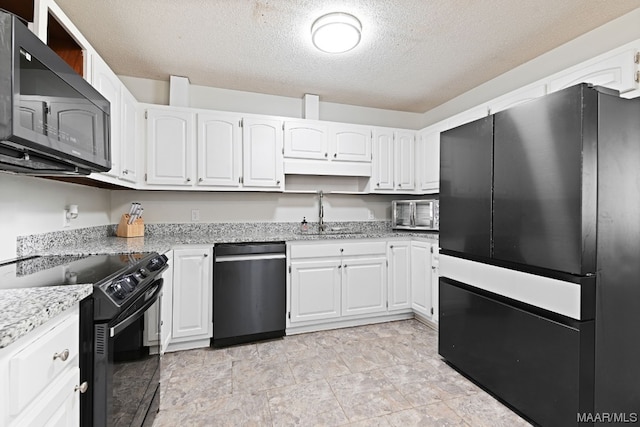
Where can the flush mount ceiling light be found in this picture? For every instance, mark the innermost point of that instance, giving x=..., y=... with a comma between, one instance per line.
x=336, y=32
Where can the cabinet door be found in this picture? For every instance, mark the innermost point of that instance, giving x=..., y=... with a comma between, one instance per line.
x=429, y=160
x=435, y=277
x=617, y=71
x=166, y=310
x=129, y=150
x=399, y=257
x=305, y=140
x=170, y=145
x=192, y=293
x=315, y=290
x=382, y=177
x=109, y=85
x=219, y=150
x=364, y=286
x=404, y=171
x=262, y=153
x=350, y=143
x=421, y=278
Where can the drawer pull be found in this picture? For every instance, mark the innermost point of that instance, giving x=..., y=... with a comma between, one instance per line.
x=82, y=388
x=62, y=356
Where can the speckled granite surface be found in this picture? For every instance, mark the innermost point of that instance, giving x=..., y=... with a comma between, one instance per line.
x=23, y=310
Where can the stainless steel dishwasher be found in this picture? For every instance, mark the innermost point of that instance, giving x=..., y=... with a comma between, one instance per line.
x=249, y=292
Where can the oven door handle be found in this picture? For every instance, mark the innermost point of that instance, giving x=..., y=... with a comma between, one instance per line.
x=152, y=295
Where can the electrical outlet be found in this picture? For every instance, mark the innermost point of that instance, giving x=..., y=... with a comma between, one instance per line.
x=371, y=215
x=195, y=215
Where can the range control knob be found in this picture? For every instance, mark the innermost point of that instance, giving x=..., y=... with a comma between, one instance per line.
x=143, y=272
x=117, y=291
x=157, y=263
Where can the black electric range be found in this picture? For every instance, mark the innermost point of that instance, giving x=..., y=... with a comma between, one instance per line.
x=119, y=328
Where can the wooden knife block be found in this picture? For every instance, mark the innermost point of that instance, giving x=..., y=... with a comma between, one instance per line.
x=136, y=229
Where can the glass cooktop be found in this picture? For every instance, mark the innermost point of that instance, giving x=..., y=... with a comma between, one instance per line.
x=56, y=270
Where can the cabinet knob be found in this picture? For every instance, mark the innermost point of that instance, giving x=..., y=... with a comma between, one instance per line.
x=200, y=179
x=188, y=179
x=390, y=246
x=341, y=250
x=124, y=172
x=345, y=266
x=206, y=255
x=326, y=154
x=335, y=155
x=63, y=356
x=377, y=184
x=400, y=185
x=82, y=388
x=278, y=182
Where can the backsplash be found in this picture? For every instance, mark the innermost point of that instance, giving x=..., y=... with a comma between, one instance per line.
x=31, y=244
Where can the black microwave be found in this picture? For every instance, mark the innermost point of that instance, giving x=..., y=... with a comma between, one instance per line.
x=52, y=121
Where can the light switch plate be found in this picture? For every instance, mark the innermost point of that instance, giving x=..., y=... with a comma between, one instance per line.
x=195, y=215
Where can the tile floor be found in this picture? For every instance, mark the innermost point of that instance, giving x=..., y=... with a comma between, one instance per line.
x=386, y=374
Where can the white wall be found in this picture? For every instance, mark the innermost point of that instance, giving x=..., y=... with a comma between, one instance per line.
x=174, y=206
x=157, y=92
x=601, y=40
x=35, y=205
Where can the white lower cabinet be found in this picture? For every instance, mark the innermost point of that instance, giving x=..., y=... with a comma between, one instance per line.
x=191, y=320
x=364, y=286
x=424, y=279
x=399, y=256
x=40, y=375
x=315, y=290
x=345, y=283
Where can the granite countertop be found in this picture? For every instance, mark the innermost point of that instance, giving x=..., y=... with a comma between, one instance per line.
x=22, y=310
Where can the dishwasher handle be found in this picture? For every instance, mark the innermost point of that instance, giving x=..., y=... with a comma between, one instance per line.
x=257, y=257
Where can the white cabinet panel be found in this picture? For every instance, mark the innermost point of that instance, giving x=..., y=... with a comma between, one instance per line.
x=421, y=278
x=616, y=71
x=192, y=288
x=219, y=150
x=404, y=171
x=315, y=290
x=399, y=257
x=170, y=145
x=262, y=153
x=129, y=137
x=382, y=174
x=435, y=280
x=516, y=97
x=350, y=143
x=364, y=286
x=305, y=140
x=428, y=160
x=108, y=84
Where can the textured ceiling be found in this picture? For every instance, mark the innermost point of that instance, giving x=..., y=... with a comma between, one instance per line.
x=414, y=54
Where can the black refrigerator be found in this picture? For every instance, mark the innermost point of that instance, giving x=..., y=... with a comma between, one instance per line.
x=540, y=256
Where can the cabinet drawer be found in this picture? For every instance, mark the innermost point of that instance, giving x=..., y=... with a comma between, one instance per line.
x=338, y=249
x=34, y=367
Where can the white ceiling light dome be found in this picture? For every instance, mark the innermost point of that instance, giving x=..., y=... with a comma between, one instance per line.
x=336, y=32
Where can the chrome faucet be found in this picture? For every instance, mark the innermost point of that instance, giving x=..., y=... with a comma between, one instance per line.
x=321, y=226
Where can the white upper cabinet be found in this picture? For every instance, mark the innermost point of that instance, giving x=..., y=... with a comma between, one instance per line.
x=305, y=139
x=219, y=150
x=313, y=147
x=616, y=70
x=404, y=150
x=109, y=85
x=129, y=137
x=382, y=173
x=170, y=146
x=351, y=143
x=393, y=160
x=428, y=159
x=516, y=97
x=262, y=153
